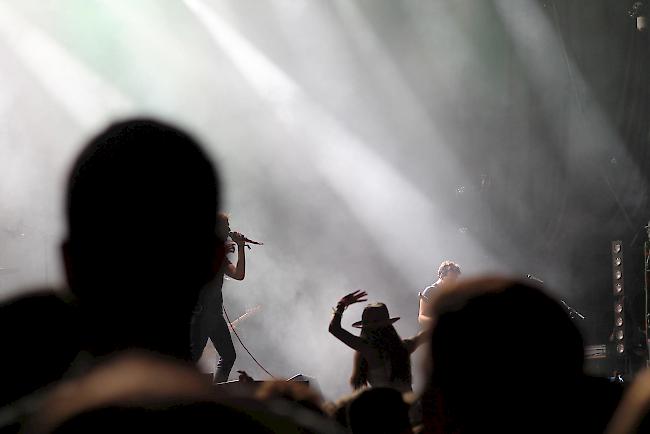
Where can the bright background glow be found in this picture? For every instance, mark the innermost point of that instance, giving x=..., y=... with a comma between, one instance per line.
x=362, y=141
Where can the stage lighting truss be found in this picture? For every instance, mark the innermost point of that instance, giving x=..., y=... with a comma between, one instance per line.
x=618, y=279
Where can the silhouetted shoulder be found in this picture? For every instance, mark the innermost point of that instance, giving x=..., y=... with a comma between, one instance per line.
x=429, y=291
x=35, y=327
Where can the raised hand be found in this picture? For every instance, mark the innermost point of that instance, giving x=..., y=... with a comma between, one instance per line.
x=357, y=296
x=238, y=238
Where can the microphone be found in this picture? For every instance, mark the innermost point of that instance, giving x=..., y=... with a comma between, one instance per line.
x=247, y=240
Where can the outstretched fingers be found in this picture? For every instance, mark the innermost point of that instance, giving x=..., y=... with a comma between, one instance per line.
x=359, y=296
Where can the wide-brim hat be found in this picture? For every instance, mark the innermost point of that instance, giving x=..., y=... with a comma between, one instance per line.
x=375, y=315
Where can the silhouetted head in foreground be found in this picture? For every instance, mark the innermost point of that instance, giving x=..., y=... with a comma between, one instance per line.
x=142, y=201
x=505, y=357
x=291, y=391
x=379, y=410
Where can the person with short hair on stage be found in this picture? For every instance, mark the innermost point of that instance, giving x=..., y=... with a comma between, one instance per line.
x=448, y=272
x=208, y=320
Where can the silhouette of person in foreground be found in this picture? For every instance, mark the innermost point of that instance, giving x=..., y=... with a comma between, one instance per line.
x=39, y=340
x=379, y=410
x=381, y=357
x=141, y=207
x=506, y=357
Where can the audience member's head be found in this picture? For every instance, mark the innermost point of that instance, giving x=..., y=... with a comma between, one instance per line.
x=142, y=203
x=291, y=391
x=379, y=410
x=338, y=409
x=499, y=349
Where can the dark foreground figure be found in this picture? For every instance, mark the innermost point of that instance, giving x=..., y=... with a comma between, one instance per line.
x=141, y=209
x=507, y=358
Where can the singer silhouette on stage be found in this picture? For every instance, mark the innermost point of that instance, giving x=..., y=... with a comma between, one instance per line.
x=208, y=320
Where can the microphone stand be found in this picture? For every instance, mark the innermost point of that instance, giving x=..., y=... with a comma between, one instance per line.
x=573, y=314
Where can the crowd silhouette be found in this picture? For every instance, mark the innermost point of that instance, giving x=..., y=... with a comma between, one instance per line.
x=145, y=238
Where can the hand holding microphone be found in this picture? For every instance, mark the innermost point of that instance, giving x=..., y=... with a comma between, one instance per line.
x=241, y=240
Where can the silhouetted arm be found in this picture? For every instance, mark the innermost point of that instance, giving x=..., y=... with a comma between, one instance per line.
x=237, y=272
x=352, y=341
x=424, y=317
x=413, y=343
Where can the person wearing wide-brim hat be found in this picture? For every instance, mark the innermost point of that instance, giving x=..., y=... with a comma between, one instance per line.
x=382, y=358
x=375, y=315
